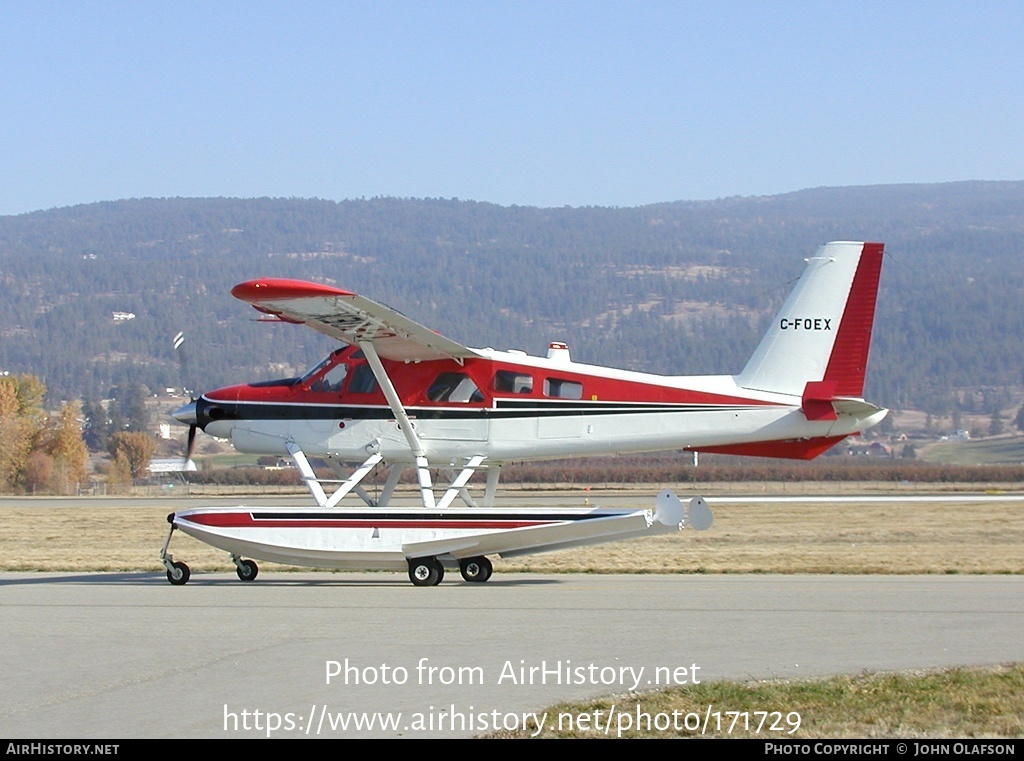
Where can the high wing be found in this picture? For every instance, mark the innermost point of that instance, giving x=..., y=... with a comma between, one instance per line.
x=349, y=317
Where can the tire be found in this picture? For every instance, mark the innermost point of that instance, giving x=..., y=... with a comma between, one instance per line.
x=180, y=575
x=477, y=570
x=425, y=572
x=247, y=570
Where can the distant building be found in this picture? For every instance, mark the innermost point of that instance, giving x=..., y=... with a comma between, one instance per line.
x=172, y=465
x=874, y=449
x=123, y=316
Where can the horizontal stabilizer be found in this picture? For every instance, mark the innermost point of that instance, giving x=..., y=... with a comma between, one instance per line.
x=817, y=400
x=856, y=407
x=820, y=403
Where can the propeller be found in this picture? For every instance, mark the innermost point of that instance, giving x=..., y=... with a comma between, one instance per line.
x=179, y=350
x=186, y=413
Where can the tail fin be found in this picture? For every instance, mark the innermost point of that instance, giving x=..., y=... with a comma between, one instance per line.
x=818, y=345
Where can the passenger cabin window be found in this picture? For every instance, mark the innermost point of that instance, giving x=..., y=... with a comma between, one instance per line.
x=363, y=380
x=508, y=381
x=563, y=389
x=454, y=387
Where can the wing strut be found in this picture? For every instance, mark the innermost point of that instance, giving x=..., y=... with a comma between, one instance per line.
x=353, y=481
x=313, y=483
x=422, y=466
x=394, y=474
x=493, y=474
x=459, y=483
x=306, y=471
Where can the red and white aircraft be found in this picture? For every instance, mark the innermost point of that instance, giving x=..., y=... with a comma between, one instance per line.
x=399, y=394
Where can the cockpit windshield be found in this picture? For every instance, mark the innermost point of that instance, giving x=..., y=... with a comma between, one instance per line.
x=316, y=369
x=330, y=374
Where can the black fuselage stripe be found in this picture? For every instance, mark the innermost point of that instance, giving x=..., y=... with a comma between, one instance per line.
x=383, y=517
x=213, y=411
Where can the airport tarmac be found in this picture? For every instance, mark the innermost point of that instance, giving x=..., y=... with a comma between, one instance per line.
x=126, y=655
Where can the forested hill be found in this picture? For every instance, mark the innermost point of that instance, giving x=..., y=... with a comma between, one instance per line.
x=683, y=287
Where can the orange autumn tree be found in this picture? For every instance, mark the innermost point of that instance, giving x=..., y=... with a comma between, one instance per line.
x=22, y=428
x=132, y=451
x=67, y=448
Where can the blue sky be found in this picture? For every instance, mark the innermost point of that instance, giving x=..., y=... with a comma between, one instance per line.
x=530, y=103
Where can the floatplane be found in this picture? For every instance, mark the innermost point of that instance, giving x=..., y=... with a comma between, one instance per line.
x=398, y=396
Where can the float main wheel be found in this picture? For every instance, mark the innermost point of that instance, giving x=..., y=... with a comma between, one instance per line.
x=425, y=572
x=476, y=569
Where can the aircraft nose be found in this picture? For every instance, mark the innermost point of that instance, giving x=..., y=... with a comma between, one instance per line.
x=186, y=414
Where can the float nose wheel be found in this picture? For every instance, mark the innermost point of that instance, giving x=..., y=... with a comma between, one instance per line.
x=178, y=574
x=425, y=572
x=476, y=569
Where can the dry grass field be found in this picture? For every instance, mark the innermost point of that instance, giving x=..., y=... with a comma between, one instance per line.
x=901, y=537
x=955, y=703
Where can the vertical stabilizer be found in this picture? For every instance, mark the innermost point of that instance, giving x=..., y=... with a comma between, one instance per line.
x=817, y=346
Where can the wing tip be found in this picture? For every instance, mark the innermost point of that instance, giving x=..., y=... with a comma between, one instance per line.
x=276, y=289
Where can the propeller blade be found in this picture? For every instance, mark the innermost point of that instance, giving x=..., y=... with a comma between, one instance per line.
x=187, y=413
x=179, y=349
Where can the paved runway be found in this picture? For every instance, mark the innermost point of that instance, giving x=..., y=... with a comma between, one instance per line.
x=129, y=656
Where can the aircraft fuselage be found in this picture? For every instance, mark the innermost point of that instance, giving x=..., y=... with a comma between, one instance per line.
x=509, y=406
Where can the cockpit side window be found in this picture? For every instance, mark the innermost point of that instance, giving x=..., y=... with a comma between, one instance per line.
x=454, y=387
x=363, y=380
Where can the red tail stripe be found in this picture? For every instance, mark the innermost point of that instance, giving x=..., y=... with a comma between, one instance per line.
x=849, y=361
